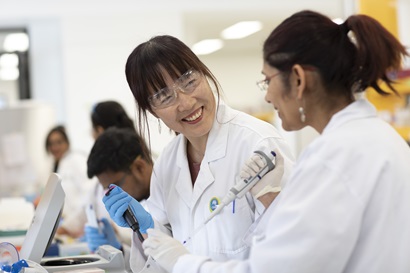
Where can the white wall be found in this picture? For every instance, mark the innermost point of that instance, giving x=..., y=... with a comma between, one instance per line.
x=95, y=51
x=78, y=52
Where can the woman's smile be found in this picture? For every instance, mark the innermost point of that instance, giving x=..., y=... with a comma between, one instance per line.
x=194, y=117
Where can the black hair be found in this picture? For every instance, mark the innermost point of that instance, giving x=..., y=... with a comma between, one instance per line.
x=145, y=67
x=60, y=129
x=349, y=57
x=57, y=129
x=110, y=113
x=115, y=150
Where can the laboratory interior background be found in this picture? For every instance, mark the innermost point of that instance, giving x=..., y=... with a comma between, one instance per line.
x=59, y=58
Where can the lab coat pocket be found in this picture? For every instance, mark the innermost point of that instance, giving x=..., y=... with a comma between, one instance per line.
x=226, y=231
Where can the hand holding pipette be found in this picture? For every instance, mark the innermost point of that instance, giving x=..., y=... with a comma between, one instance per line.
x=126, y=211
x=271, y=181
x=264, y=165
x=240, y=189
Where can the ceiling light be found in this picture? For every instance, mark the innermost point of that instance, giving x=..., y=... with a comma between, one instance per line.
x=338, y=21
x=9, y=60
x=207, y=46
x=241, y=29
x=9, y=74
x=16, y=42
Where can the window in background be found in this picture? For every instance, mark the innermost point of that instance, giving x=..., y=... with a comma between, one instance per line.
x=14, y=66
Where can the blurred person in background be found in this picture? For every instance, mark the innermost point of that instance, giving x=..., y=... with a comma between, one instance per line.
x=104, y=114
x=107, y=114
x=119, y=157
x=72, y=167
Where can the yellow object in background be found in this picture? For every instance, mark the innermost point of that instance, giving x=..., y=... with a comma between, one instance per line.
x=395, y=109
x=265, y=116
x=385, y=11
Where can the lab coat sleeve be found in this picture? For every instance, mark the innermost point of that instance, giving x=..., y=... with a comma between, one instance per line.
x=76, y=220
x=137, y=256
x=276, y=144
x=126, y=250
x=315, y=225
x=200, y=264
x=139, y=262
x=297, y=238
x=137, y=259
x=74, y=223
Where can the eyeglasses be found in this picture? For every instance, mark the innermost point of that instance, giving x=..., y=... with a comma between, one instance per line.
x=167, y=96
x=264, y=84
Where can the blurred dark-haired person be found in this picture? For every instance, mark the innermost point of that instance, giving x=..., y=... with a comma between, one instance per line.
x=72, y=167
x=121, y=157
x=104, y=115
x=109, y=113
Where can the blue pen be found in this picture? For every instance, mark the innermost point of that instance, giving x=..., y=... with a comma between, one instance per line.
x=233, y=206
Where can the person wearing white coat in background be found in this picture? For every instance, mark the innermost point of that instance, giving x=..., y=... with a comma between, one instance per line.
x=72, y=167
x=104, y=115
x=346, y=206
x=203, y=162
x=119, y=156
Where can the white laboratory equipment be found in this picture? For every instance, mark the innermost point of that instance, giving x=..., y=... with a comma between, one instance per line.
x=42, y=230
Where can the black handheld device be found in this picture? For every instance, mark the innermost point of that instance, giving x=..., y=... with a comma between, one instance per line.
x=129, y=217
x=133, y=222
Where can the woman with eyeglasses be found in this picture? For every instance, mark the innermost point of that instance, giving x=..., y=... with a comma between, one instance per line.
x=346, y=206
x=199, y=166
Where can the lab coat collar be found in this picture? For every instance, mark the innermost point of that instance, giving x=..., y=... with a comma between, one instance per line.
x=215, y=149
x=183, y=184
x=358, y=109
x=217, y=140
x=218, y=136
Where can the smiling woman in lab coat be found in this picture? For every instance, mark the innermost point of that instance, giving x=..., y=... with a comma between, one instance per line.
x=346, y=206
x=203, y=162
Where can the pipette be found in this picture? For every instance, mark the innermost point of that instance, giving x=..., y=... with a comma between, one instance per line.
x=239, y=189
x=129, y=217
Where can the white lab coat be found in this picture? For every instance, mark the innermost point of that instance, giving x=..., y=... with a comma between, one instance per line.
x=73, y=171
x=176, y=204
x=345, y=208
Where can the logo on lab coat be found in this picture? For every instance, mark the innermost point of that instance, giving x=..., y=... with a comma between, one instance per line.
x=213, y=203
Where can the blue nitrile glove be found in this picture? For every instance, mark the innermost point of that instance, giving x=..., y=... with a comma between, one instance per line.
x=95, y=238
x=117, y=201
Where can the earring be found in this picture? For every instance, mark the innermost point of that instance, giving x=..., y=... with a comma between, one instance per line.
x=159, y=126
x=302, y=114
